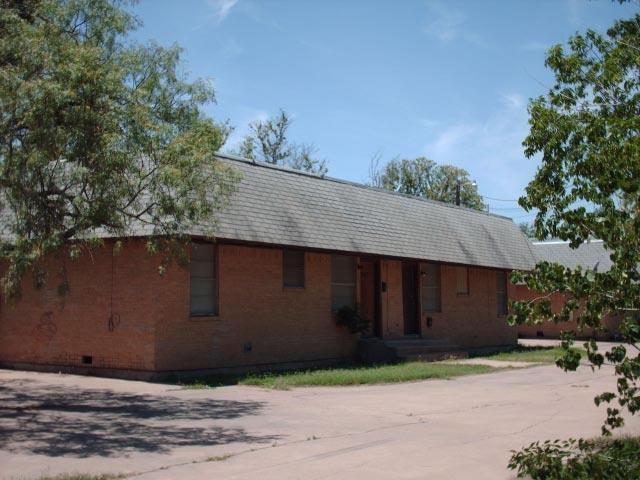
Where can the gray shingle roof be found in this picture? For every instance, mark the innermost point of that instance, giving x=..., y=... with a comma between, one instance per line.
x=279, y=206
x=285, y=207
x=590, y=255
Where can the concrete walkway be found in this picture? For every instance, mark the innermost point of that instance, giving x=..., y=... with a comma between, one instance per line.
x=462, y=428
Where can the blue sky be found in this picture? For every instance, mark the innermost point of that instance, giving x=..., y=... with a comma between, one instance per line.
x=449, y=80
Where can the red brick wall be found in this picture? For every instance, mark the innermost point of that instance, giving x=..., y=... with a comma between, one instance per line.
x=281, y=324
x=156, y=332
x=46, y=328
x=469, y=320
x=553, y=330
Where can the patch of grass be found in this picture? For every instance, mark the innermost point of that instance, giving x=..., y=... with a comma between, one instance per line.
x=532, y=354
x=196, y=385
x=218, y=458
x=359, y=375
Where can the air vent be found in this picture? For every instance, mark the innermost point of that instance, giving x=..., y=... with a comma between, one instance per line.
x=87, y=359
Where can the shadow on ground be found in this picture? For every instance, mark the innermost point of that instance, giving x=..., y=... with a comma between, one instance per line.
x=55, y=420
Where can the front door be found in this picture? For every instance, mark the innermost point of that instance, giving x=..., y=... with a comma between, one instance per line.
x=369, y=293
x=410, y=298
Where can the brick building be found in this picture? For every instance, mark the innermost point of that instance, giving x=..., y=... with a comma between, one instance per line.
x=591, y=255
x=290, y=249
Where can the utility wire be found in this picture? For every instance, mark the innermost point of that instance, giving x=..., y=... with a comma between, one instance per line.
x=500, y=199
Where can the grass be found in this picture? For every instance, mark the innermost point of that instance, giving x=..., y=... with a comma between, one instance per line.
x=351, y=375
x=377, y=374
x=218, y=458
x=532, y=354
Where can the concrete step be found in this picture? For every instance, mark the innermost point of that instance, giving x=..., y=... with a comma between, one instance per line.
x=408, y=349
x=411, y=349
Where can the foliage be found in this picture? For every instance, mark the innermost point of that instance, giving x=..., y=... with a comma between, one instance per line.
x=578, y=459
x=98, y=134
x=588, y=186
x=423, y=177
x=267, y=141
x=351, y=319
x=528, y=229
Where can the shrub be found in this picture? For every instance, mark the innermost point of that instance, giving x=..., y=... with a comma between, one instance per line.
x=351, y=319
x=572, y=459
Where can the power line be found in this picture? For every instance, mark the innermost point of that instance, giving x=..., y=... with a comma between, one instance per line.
x=499, y=199
x=506, y=208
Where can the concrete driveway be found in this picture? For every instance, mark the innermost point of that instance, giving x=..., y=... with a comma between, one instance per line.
x=432, y=429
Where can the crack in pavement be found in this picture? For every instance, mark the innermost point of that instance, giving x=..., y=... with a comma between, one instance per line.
x=341, y=435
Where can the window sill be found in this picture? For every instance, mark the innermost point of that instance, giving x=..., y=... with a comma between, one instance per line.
x=463, y=294
x=285, y=288
x=204, y=318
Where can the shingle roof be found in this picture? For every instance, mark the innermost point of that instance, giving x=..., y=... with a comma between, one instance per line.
x=591, y=255
x=280, y=206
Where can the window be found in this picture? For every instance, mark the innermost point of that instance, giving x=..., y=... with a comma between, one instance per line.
x=343, y=282
x=501, y=292
x=430, y=273
x=293, y=268
x=462, y=280
x=204, y=281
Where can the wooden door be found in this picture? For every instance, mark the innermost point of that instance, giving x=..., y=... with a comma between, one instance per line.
x=411, y=298
x=370, y=293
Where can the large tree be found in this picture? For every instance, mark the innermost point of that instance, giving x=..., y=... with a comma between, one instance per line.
x=267, y=141
x=423, y=177
x=586, y=130
x=97, y=133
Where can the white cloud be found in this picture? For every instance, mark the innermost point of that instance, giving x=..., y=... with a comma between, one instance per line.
x=221, y=8
x=448, y=24
x=490, y=149
x=513, y=100
x=450, y=139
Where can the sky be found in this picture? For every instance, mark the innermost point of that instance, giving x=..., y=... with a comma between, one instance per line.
x=449, y=80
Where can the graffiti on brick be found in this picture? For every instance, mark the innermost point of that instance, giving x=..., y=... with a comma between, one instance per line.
x=46, y=328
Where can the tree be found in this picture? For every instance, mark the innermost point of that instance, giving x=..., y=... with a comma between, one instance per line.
x=98, y=134
x=267, y=141
x=528, y=229
x=423, y=177
x=586, y=129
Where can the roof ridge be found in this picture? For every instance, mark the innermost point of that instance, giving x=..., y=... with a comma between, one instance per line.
x=258, y=163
